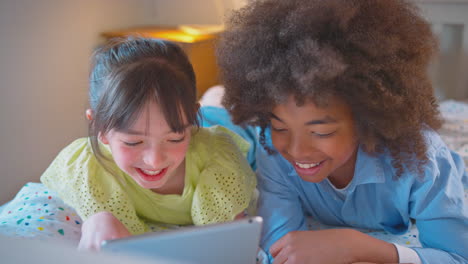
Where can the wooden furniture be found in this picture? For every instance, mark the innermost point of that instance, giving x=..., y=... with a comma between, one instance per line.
x=195, y=41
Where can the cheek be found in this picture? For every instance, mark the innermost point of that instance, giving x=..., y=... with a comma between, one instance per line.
x=178, y=152
x=280, y=142
x=124, y=156
x=343, y=148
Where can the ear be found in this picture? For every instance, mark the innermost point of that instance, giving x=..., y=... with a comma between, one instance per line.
x=103, y=138
x=89, y=114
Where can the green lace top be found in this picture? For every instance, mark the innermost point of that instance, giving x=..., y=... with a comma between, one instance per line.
x=219, y=183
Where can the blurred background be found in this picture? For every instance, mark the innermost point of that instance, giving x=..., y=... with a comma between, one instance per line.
x=45, y=46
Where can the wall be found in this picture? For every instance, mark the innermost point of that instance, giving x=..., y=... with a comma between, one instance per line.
x=194, y=12
x=44, y=55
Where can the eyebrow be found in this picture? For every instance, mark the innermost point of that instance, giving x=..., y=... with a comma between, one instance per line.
x=132, y=132
x=139, y=133
x=326, y=120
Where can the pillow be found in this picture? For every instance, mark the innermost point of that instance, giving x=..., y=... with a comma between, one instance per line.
x=38, y=213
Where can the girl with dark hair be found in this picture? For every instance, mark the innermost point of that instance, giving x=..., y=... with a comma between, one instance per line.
x=340, y=91
x=146, y=158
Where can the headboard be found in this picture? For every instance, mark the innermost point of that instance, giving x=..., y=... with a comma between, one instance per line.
x=449, y=20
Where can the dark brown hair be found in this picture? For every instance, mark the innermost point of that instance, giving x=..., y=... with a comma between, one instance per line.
x=373, y=54
x=127, y=73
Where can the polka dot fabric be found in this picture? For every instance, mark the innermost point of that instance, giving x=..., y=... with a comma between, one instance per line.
x=38, y=213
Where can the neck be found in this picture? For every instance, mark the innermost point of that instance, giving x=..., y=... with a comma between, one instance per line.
x=344, y=175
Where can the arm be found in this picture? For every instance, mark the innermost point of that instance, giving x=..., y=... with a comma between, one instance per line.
x=441, y=212
x=84, y=184
x=278, y=204
x=332, y=246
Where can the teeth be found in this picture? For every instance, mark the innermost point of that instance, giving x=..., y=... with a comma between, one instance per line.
x=307, y=166
x=149, y=172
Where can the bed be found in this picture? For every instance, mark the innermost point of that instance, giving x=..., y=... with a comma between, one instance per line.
x=37, y=213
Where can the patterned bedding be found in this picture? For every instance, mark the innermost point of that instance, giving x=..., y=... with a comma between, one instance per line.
x=37, y=213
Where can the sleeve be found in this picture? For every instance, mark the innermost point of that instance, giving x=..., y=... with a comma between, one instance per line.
x=84, y=184
x=226, y=183
x=440, y=210
x=407, y=255
x=279, y=205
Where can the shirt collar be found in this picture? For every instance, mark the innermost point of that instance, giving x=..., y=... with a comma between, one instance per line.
x=368, y=169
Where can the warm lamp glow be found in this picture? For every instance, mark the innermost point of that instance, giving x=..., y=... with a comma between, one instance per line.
x=174, y=36
x=171, y=35
x=183, y=33
x=201, y=29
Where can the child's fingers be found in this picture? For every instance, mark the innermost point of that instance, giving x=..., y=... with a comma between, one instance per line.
x=280, y=259
x=276, y=247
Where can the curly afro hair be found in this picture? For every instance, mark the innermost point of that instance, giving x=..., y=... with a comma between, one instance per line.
x=373, y=54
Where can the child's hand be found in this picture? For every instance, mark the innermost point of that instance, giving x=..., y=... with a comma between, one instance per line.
x=331, y=246
x=311, y=247
x=241, y=215
x=99, y=227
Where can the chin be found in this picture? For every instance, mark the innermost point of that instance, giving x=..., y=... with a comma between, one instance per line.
x=312, y=178
x=151, y=186
x=148, y=185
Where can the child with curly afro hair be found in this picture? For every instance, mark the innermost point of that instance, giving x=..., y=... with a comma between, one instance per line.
x=340, y=91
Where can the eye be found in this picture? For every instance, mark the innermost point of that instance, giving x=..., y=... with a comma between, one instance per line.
x=132, y=144
x=278, y=129
x=177, y=140
x=324, y=135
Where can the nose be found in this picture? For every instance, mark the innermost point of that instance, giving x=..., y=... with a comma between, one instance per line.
x=297, y=147
x=154, y=156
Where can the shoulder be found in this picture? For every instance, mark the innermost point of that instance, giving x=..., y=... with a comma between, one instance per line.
x=218, y=151
x=441, y=159
x=443, y=170
x=218, y=139
x=442, y=165
x=434, y=142
x=226, y=181
x=78, y=151
x=78, y=145
x=76, y=161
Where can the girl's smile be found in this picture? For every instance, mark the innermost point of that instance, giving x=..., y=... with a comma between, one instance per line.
x=149, y=152
x=151, y=176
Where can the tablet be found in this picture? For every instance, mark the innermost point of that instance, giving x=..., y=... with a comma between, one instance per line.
x=229, y=243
